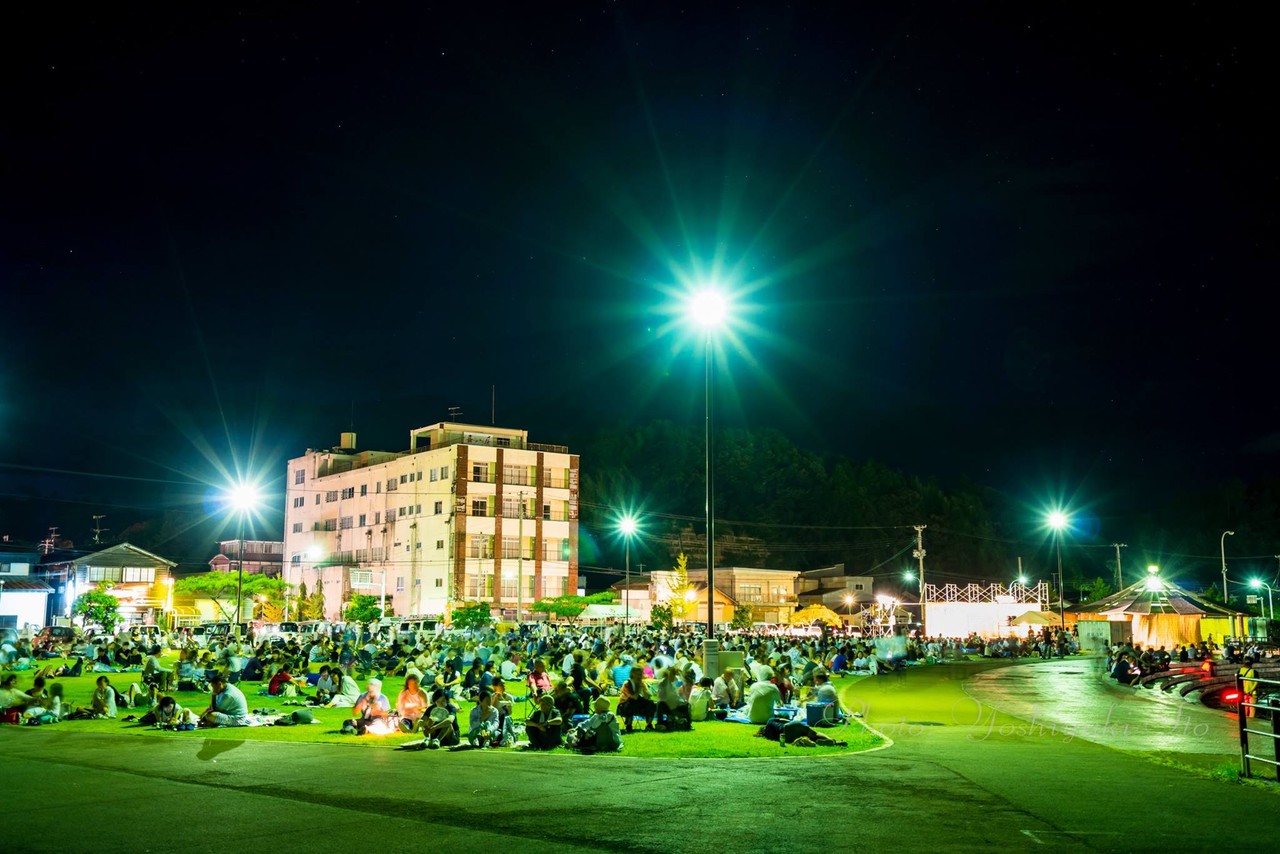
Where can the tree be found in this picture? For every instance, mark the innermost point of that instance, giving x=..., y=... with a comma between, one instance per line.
x=220, y=587
x=743, y=617
x=1095, y=590
x=660, y=616
x=472, y=616
x=98, y=606
x=679, y=588
x=571, y=607
x=362, y=608
x=313, y=606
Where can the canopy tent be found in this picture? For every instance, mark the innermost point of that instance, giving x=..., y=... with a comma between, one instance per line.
x=815, y=614
x=1160, y=612
x=1036, y=618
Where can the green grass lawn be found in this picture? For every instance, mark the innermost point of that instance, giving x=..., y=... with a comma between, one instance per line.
x=713, y=739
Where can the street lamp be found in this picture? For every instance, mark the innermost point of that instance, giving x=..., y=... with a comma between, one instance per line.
x=627, y=527
x=243, y=499
x=1258, y=582
x=708, y=309
x=1058, y=521
x=1222, y=544
x=911, y=576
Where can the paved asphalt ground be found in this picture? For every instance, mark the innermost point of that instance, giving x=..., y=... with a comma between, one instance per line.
x=959, y=776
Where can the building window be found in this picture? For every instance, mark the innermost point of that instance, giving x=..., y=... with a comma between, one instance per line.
x=480, y=472
x=297, y=527
x=344, y=523
x=433, y=475
x=510, y=547
x=317, y=498
x=377, y=517
x=391, y=484
x=480, y=546
x=439, y=582
x=479, y=507
x=377, y=488
x=349, y=492
x=295, y=559
x=364, y=490
x=300, y=501
x=439, y=507
x=331, y=496
x=417, y=509
x=403, y=478
x=300, y=476
x=857, y=587
x=399, y=583
x=439, y=544
x=362, y=520
x=331, y=524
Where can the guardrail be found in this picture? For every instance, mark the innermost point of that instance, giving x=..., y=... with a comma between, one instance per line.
x=1246, y=707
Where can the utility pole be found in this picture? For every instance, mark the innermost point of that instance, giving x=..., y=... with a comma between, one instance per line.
x=520, y=562
x=918, y=554
x=1119, y=576
x=98, y=530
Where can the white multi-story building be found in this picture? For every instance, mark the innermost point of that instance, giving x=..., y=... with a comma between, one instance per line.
x=467, y=513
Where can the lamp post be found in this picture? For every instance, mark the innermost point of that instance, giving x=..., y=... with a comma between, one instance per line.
x=1058, y=521
x=708, y=309
x=627, y=527
x=848, y=607
x=243, y=498
x=911, y=576
x=1258, y=582
x=1222, y=545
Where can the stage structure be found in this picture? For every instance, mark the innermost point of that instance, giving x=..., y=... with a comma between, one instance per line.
x=959, y=610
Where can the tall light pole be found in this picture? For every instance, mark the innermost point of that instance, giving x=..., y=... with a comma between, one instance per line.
x=627, y=527
x=918, y=553
x=708, y=309
x=243, y=499
x=1119, y=574
x=1222, y=544
x=1058, y=521
x=1258, y=582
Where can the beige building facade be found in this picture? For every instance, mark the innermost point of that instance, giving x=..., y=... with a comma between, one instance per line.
x=468, y=513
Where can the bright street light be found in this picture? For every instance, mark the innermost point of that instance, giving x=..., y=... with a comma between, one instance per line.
x=1059, y=522
x=708, y=309
x=242, y=498
x=1255, y=583
x=627, y=526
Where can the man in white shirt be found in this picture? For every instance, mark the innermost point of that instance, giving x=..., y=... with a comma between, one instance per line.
x=763, y=697
x=727, y=691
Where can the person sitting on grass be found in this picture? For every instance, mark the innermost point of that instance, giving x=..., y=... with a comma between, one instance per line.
x=566, y=701
x=634, y=700
x=326, y=684
x=504, y=703
x=227, y=705
x=598, y=733
x=763, y=698
x=371, y=706
x=483, y=730
x=673, y=709
x=412, y=704
x=539, y=679
x=448, y=679
x=167, y=714
x=51, y=671
x=12, y=698
x=282, y=677
x=701, y=699
x=102, y=704
x=154, y=673
x=825, y=692
x=440, y=724
x=726, y=693
x=545, y=726
x=347, y=693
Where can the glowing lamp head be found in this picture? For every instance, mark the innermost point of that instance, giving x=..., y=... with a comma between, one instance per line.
x=708, y=308
x=909, y=576
x=627, y=525
x=691, y=596
x=1255, y=583
x=1022, y=579
x=1058, y=520
x=848, y=600
x=1154, y=584
x=314, y=553
x=244, y=497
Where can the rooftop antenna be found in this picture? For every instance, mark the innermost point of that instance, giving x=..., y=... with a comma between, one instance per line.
x=455, y=412
x=47, y=544
x=98, y=530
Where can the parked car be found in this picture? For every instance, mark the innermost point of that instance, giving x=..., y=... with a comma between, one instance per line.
x=205, y=633
x=51, y=636
x=407, y=630
x=279, y=633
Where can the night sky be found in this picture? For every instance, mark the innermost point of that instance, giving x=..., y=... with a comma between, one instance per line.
x=1025, y=245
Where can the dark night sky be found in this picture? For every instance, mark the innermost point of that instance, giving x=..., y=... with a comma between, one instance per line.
x=1027, y=245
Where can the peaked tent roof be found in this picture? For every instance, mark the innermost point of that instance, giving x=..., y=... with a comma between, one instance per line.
x=1169, y=599
x=124, y=554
